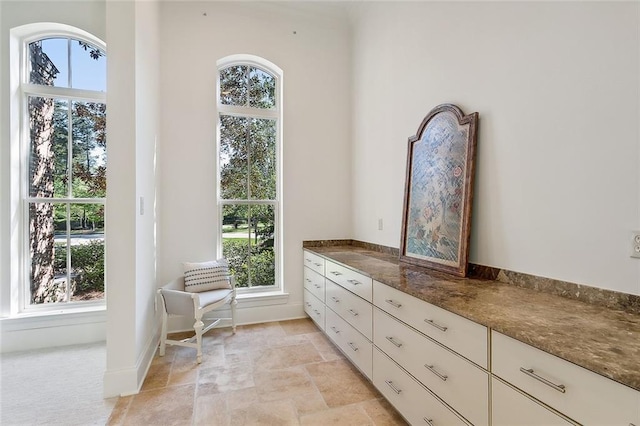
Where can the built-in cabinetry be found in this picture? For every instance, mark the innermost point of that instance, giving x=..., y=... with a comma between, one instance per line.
x=438, y=368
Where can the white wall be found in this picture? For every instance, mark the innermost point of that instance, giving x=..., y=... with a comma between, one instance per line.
x=317, y=147
x=132, y=78
x=556, y=85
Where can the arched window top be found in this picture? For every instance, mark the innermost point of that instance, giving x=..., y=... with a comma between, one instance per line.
x=62, y=56
x=249, y=81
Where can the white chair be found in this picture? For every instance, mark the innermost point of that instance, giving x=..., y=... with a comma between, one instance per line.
x=177, y=302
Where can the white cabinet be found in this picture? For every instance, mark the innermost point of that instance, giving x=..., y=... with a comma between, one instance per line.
x=510, y=407
x=351, y=308
x=465, y=337
x=353, y=344
x=580, y=394
x=461, y=384
x=313, y=261
x=410, y=398
x=314, y=308
x=353, y=281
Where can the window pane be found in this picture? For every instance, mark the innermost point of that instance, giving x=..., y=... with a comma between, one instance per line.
x=262, y=154
x=89, y=67
x=262, y=89
x=87, y=251
x=89, y=150
x=233, y=85
x=48, y=130
x=49, y=61
x=262, y=256
x=48, y=252
x=235, y=241
x=233, y=157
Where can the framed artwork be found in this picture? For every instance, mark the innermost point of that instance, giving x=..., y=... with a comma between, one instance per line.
x=436, y=218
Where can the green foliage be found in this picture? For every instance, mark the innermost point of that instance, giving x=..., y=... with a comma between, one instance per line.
x=255, y=262
x=87, y=264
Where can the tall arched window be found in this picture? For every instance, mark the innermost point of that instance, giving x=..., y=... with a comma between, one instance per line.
x=63, y=179
x=249, y=195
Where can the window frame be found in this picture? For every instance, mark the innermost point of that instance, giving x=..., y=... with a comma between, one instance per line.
x=259, y=113
x=21, y=288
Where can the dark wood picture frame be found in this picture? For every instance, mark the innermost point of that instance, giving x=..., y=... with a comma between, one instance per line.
x=438, y=196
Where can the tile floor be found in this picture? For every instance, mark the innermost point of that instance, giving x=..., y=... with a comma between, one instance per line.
x=279, y=373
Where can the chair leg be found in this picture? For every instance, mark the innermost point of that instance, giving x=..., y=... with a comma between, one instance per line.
x=198, y=326
x=234, y=302
x=163, y=335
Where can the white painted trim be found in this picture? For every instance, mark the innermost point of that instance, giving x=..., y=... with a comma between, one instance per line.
x=28, y=332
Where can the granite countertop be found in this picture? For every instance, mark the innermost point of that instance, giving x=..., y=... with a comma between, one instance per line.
x=603, y=340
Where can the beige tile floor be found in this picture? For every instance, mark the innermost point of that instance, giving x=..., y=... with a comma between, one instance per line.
x=279, y=373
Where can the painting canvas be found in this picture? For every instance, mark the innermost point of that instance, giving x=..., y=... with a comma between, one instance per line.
x=439, y=191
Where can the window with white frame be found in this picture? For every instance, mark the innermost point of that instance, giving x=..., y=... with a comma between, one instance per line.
x=249, y=177
x=63, y=152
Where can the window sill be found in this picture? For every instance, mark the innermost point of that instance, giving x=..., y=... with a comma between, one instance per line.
x=54, y=318
x=250, y=300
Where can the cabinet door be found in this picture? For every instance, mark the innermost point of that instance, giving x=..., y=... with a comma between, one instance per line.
x=411, y=399
x=512, y=408
x=314, y=282
x=353, y=309
x=314, y=308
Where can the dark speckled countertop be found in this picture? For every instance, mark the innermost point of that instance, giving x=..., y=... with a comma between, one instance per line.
x=603, y=340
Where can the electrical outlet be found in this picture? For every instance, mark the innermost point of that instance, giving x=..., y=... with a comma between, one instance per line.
x=380, y=225
x=635, y=244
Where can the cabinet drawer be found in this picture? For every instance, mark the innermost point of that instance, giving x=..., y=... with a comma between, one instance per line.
x=464, y=336
x=353, y=309
x=314, y=308
x=353, y=344
x=412, y=400
x=314, y=282
x=351, y=280
x=313, y=261
x=576, y=392
x=458, y=382
x=511, y=408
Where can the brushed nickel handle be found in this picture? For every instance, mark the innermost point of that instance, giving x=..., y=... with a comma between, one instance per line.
x=308, y=260
x=316, y=311
x=335, y=299
x=429, y=421
x=529, y=372
x=392, y=340
x=431, y=368
x=352, y=346
x=335, y=330
x=317, y=286
x=317, y=264
x=395, y=389
x=354, y=282
x=352, y=312
x=336, y=273
x=436, y=325
x=392, y=303
x=307, y=280
x=308, y=304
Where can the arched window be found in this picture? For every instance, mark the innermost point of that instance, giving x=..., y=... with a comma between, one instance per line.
x=249, y=177
x=62, y=91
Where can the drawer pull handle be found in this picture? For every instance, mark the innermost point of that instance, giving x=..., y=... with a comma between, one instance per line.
x=318, y=264
x=354, y=282
x=308, y=304
x=352, y=346
x=316, y=311
x=352, y=312
x=436, y=325
x=308, y=260
x=317, y=286
x=428, y=421
x=392, y=303
x=395, y=389
x=307, y=280
x=335, y=330
x=392, y=340
x=335, y=299
x=529, y=372
x=436, y=372
x=336, y=273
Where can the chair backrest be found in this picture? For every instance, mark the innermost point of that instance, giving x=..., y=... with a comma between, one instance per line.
x=177, y=284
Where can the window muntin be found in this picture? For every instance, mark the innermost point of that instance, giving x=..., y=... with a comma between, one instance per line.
x=65, y=125
x=248, y=146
